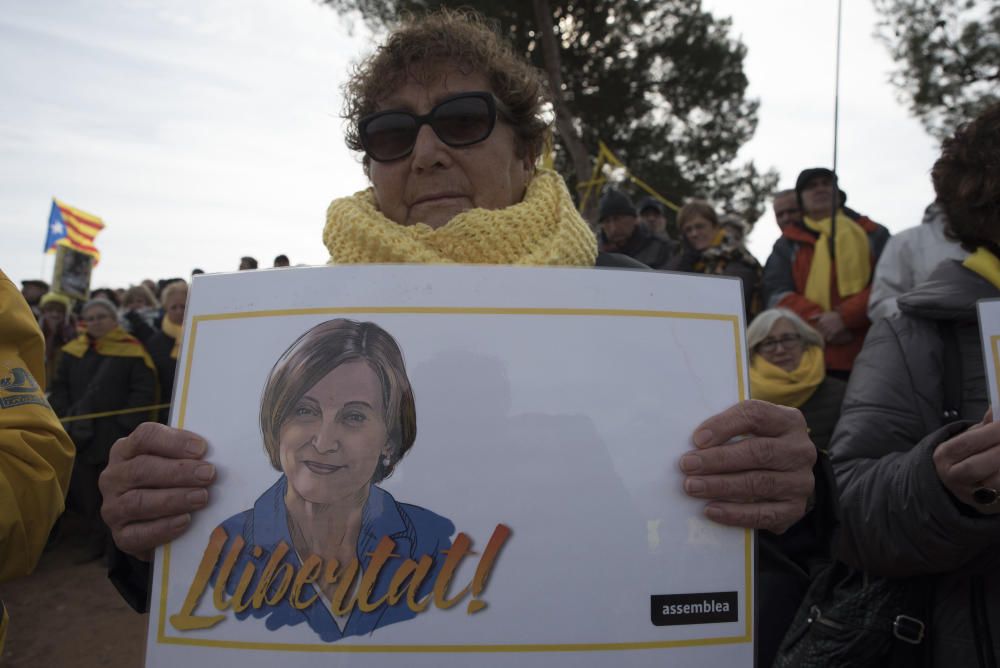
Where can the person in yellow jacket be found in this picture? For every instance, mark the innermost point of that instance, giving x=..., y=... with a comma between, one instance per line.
x=36, y=455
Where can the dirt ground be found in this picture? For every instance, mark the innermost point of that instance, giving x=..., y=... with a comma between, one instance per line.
x=69, y=614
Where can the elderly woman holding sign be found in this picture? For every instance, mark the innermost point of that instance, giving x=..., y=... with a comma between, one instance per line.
x=451, y=122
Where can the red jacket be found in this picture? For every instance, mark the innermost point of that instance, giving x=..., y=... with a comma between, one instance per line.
x=784, y=285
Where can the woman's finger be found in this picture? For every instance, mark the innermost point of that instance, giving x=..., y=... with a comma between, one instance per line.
x=752, y=454
x=965, y=445
x=152, y=438
x=138, y=505
x=751, y=486
x=140, y=538
x=976, y=468
x=774, y=516
x=748, y=417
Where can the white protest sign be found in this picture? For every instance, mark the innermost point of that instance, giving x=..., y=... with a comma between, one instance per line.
x=989, y=328
x=534, y=514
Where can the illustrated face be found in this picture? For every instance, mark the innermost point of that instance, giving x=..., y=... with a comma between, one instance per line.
x=174, y=307
x=787, y=353
x=618, y=228
x=330, y=444
x=786, y=210
x=98, y=321
x=699, y=232
x=817, y=197
x=436, y=182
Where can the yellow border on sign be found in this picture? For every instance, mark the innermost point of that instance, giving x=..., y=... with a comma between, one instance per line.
x=162, y=638
x=996, y=361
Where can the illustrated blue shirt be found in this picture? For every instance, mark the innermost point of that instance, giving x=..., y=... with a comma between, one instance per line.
x=415, y=531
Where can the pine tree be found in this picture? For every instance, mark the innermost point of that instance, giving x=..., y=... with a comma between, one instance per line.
x=949, y=57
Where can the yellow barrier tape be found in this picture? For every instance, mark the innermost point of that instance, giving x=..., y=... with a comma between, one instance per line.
x=606, y=153
x=124, y=411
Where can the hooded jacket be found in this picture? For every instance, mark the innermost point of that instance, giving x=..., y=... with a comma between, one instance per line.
x=784, y=285
x=36, y=455
x=908, y=260
x=898, y=519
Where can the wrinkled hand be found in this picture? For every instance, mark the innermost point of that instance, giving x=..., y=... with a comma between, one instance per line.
x=830, y=324
x=970, y=460
x=760, y=482
x=154, y=480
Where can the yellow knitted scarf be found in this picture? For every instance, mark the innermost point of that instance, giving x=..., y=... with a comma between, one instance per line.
x=543, y=229
x=854, y=268
x=175, y=332
x=986, y=264
x=116, y=343
x=787, y=388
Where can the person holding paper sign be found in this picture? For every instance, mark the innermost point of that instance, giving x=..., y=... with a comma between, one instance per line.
x=337, y=416
x=451, y=122
x=917, y=464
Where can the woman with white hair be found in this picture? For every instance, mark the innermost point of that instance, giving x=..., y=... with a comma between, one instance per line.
x=787, y=368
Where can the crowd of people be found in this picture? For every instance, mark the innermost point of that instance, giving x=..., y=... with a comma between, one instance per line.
x=868, y=439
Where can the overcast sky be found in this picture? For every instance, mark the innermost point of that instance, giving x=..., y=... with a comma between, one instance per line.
x=200, y=135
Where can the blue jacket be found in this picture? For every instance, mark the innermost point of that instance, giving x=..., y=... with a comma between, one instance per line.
x=415, y=531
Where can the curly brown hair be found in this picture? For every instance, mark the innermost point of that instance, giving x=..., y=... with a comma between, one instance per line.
x=967, y=181
x=462, y=39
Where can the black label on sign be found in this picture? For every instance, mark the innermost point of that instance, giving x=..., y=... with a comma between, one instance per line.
x=710, y=608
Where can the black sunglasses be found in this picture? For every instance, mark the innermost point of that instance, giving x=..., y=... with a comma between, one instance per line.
x=460, y=120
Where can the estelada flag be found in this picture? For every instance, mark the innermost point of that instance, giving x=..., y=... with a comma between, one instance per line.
x=71, y=227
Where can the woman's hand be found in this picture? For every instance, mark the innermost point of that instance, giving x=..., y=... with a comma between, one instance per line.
x=762, y=481
x=970, y=460
x=154, y=480
x=831, y=326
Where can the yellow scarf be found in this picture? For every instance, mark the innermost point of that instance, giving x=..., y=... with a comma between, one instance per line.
x=543, y=229
x=116, y=343
x=854, y=268
x=175, y=332
x=787, y=388
x=986, y=264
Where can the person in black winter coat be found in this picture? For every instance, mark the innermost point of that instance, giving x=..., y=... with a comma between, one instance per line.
x=100, y=371
x=917, y=463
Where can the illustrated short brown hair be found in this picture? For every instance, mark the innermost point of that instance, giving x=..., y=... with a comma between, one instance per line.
x=967, y=181
x=321, y=350
x=462, y=39
x=697, y=208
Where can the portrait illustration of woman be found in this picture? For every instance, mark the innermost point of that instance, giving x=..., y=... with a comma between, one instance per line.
x=337, y=416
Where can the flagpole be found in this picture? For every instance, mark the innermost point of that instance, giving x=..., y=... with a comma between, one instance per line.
x=836, y=125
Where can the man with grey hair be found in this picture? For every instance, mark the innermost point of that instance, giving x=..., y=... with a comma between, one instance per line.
x=786, y=208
